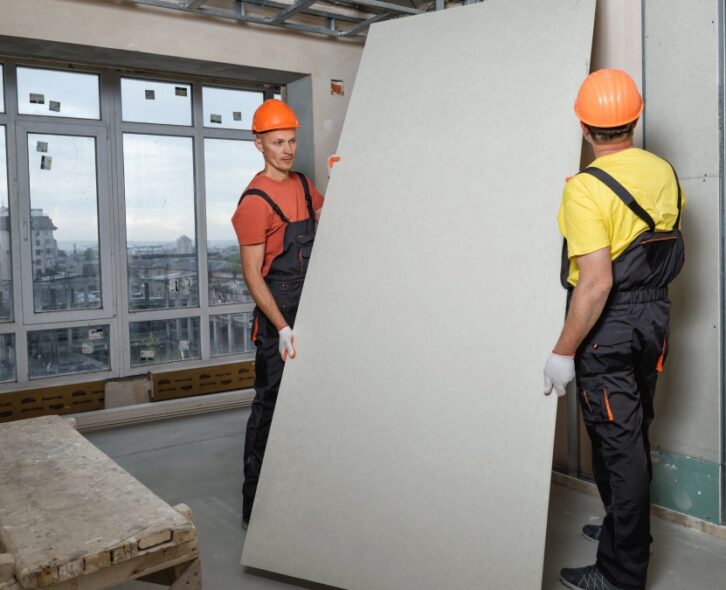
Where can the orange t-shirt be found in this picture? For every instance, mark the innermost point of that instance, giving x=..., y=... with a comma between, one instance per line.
x=255, y=222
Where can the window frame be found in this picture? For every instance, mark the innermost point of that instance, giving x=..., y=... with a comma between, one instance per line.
x=30, y=316
x=108, y=130
x=66, y=70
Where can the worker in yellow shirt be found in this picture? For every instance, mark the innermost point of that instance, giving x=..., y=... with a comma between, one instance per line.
x=621, y=221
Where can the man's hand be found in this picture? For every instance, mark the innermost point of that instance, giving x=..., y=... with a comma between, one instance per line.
x=332, y=160
x=558, y=372
x=286, y=345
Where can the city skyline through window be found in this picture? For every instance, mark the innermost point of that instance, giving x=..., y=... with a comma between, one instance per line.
x=6, y=254
x=64, y=222
x=160, y=222
x=229, y=166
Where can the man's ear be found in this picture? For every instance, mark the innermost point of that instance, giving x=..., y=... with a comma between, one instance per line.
x=585, y=130
x=258, y=143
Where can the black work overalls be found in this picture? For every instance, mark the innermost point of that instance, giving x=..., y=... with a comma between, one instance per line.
x=617, y=366
x=285, y=281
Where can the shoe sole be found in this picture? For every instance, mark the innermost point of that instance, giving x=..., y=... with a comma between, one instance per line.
x=569, y=585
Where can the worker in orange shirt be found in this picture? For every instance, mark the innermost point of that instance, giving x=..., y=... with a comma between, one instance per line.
x=275, y=222
x=621, y=220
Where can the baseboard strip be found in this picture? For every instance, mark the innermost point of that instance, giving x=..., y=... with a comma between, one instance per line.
x=150, y=412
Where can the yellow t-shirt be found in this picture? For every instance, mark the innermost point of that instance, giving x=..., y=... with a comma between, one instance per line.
x=592, y=217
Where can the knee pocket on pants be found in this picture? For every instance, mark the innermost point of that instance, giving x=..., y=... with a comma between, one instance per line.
x=595, y=404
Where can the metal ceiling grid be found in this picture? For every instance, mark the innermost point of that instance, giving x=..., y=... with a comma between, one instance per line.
x=347, y=19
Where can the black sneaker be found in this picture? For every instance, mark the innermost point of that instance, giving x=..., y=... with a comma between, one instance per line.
x=586, y=578
x=592, y=533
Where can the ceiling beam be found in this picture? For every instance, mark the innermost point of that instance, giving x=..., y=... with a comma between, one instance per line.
x=292, y=10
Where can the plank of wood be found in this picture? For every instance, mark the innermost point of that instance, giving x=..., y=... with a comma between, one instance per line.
x=159, y=559
x=68, y=510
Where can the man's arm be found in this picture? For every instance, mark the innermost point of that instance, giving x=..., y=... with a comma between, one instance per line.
x=588, y=301
x=252, y=259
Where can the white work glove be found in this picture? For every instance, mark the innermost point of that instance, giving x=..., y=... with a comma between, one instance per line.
x=286, y=346
x=558, y=372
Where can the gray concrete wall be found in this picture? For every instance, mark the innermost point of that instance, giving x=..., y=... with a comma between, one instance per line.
x=109, y=24
x=681, y=76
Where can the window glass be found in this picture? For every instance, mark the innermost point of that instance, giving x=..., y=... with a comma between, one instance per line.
x=163, y=341
x=2, y=90
x=64, y=222
x=7, y=357
x=160, y=222
x=6, y=265
x=146, y=101
x=68, y=350
x=55, y=93
x=229, y=167
x=229, y=109
x=231, y=333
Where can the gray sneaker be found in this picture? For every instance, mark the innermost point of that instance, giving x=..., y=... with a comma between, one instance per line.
x=586, y=578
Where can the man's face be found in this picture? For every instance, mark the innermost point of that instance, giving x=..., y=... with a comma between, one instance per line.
x=278, y=148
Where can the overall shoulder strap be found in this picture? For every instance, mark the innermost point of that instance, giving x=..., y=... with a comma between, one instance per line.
x=679, y=203
x=622, y=193
x=266, y=197
x=308, y=197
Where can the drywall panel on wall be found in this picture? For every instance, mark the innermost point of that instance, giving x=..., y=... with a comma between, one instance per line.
x=412, y=445
x=687, y=399
x=681, y=84
x=682, y=125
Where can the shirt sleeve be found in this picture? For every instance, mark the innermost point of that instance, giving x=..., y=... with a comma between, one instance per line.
x=251, y=221
x=317, y=198
x=581, y=221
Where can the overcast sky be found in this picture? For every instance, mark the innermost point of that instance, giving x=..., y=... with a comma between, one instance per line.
x=158, y=170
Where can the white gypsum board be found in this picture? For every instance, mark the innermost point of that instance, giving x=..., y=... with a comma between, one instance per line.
x=411, y=446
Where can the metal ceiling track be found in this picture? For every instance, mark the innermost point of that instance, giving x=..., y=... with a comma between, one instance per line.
x=346, y=19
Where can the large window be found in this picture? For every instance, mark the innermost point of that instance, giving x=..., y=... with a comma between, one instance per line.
x=7, y=357
x=146, y=101
x=117, y=251
x=6, y=259
x=160, y=222
x=55, y=93
x=229, y=109
x=2, y=91
x=68, y=350
x=231, y=333
x=163, y=341
x=229, y=165
x=65, y=249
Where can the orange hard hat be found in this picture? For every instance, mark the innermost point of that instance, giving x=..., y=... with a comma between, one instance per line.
x=608, y=98
x=274, y=114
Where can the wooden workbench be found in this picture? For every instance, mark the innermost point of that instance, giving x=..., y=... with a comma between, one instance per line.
x=72, y=519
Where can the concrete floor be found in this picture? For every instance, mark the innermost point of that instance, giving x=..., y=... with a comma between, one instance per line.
x=197, y=461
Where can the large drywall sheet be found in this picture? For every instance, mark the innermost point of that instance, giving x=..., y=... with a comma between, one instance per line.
x=412, y=446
